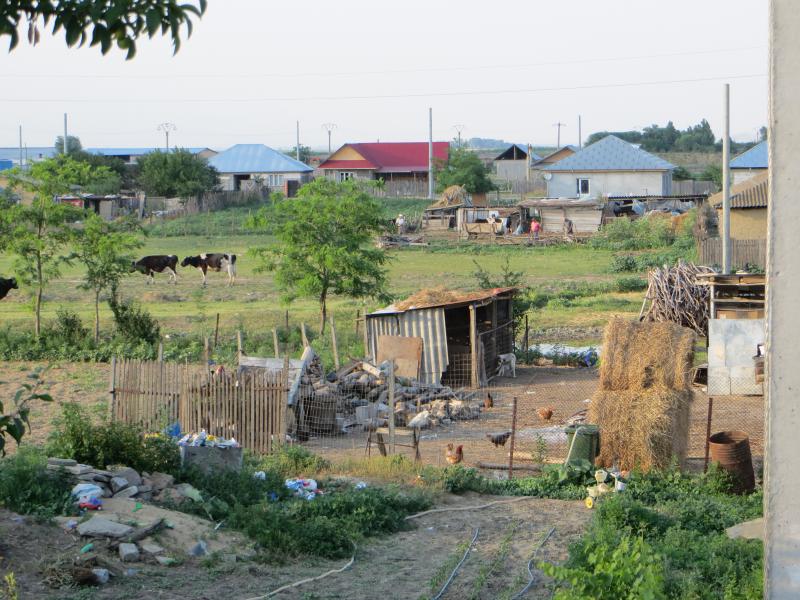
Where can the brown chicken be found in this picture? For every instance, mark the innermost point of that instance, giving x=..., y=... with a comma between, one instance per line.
x=545, y=413
x=488, y=402
x=454, y=456
x=499, y=439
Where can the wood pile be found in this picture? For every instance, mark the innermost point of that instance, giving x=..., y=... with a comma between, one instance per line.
x=675, y=296
x=357, y=398
x=397, y=241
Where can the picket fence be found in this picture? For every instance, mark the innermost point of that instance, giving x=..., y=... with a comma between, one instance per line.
x=251, y=406
x=743, y=252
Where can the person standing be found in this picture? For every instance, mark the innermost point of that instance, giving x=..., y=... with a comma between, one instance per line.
x=536, y=227
x=401, y=224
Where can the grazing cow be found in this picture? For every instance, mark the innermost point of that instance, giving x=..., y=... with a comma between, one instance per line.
x=157, y=263
x=215, y=262
x=6, y=285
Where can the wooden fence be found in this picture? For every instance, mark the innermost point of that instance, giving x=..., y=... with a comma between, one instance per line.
x=743, y=252
x=250, y=407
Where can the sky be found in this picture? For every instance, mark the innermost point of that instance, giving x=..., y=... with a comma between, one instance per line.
x=508, y=69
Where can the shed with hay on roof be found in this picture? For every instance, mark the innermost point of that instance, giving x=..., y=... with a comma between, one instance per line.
x=442, y=213
x=642, y=403
x=462, y=333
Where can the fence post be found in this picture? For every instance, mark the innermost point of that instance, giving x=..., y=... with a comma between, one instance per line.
x=275, y=342
x=391, y=406
x=287, y=320
x=708, y=431
x=527, y=347
x=303, y=334
x=239, y=346
x=216, y=332
x=161, y=352
x=206, y=352
x=335, y=347
x=358, y=318
x=473, y=347
x=112, y=392
x=366, y=336
x=513, y=436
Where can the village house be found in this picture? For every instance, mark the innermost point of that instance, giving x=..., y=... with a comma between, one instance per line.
x=750, y=163
x=247, y=166
x=514, y=163
x=403, y=166
x=749, y=201
x=609, y=167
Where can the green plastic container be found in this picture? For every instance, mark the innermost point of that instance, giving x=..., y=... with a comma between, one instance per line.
x=587, y=446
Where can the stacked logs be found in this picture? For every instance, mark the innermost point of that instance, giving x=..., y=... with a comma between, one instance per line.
x=675, y=296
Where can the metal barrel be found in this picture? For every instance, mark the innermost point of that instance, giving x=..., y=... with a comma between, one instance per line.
x=731, y=449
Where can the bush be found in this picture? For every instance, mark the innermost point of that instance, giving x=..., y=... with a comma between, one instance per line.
x=637, y=234
x=293, y=461
x=631, y=284
x=134, y=323
x=67, y=329
x=27, y=487
x=111, y=443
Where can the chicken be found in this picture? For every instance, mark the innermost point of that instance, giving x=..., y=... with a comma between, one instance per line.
x=488, y=402
x=499, y=439
x=545, y=413
x=454, y=456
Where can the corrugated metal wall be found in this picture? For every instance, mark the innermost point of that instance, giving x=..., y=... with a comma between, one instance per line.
x=428, y=324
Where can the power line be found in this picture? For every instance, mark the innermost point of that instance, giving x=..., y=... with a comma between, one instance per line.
x=239, y=100
x=577, y=61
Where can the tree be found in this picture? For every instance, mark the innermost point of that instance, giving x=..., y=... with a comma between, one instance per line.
x=465, y=168
x=713, y=173
x=13, y=423
x=762, y=133
x=40, y=233
x=100, y=22
x=305, y=153
x=104, y=249
x=324, y=244
x=178, y=173
x=73, y=144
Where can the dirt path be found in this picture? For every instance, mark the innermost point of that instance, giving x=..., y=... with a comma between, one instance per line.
x=398, y=566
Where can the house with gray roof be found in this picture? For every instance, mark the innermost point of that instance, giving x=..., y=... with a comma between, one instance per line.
x=609, y=167
x=514, y=163
x=245, y=166
x=750, y=163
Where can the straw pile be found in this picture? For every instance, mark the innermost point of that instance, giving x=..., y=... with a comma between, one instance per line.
x=642, y=404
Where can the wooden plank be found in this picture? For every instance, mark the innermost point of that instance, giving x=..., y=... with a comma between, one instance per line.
x=405, y=351
x=275, y=342
x=473, y=347
x=335, y=346
x=112, y=390
x=391, y=406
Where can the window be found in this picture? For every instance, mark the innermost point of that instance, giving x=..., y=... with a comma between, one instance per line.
x=583, y=187
x=346, y=175
x=275, y=180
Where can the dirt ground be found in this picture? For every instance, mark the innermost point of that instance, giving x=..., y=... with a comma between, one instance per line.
x=397, y=566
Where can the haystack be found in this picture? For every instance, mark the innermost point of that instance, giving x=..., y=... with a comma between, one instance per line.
x=454, y=195
x=431, y=297
x=642, y=404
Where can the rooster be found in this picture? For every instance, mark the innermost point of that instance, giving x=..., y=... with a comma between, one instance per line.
x=488, y=402
x=454, y=456
x=545, y=413
x=499, y=439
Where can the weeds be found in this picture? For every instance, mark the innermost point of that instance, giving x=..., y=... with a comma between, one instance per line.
x=487, y=569
x=28, y=487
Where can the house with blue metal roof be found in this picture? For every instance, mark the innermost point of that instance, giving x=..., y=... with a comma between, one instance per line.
x=750, y=163
x=514, y=163
x=609, y=167
x=245, y=166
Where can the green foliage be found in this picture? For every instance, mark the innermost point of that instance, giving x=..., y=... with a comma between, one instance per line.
x=111, y=443
x=459, y=479
x=101, y=22
x=134, y=324
x=73, y=144
x=305, y=153
x=464, y=168
x=14, y=422
x=66, y=329
x=293, y=461
x=666, y=139
x=505, y=278
x=636, y=234
x=631, y=570
x=680, y=173
x=323, y=238
x=28, y=487
x=176, y=173
x=713, y=173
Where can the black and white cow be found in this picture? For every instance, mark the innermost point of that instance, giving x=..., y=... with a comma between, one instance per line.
x=215, y=262
x=157, y=263
x=6, y=285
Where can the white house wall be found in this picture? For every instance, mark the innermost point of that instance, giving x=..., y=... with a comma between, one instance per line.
x=226, y=180
x=742, y=175
x=610, y=183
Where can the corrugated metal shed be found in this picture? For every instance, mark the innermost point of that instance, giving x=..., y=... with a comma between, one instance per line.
x=256, y=158
x=428, y=324
x=611, y=154
x=753, y=193
x=756, y=157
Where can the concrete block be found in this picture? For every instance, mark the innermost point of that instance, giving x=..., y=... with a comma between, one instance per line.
x=128, y=552
x=211, y=458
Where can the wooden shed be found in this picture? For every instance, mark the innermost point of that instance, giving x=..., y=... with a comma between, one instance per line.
x=586, y=216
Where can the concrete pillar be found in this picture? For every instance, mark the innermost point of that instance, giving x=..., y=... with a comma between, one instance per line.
x=782, y=427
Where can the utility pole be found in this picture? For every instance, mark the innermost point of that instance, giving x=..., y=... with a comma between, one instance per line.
x=580, y=137
x=329, y=127
x=430, y=154
x=20, y=145
x=459, y=128
x=559, y=125
x=166, y=128
x=726, y=184
x=297, y=148
x=65, y=134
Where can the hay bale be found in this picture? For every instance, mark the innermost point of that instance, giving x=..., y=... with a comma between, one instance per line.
x=641, y=429
x=640, y=356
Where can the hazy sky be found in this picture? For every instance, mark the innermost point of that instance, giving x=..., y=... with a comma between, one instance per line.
x=505, y=69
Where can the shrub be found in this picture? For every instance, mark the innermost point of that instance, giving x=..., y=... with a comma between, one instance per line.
x=28, y=487
x=630, y=284
x=67, y=329
x=111, y=443
x=293, y=461
x=134, y=323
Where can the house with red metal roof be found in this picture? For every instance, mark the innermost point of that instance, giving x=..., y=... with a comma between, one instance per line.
x=391, y=161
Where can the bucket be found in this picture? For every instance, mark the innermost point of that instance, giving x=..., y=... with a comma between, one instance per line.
x=731, y=449
x=587, y=443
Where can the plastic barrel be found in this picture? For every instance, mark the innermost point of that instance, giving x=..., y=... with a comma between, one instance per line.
x=587, y=444
x=731, y=449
